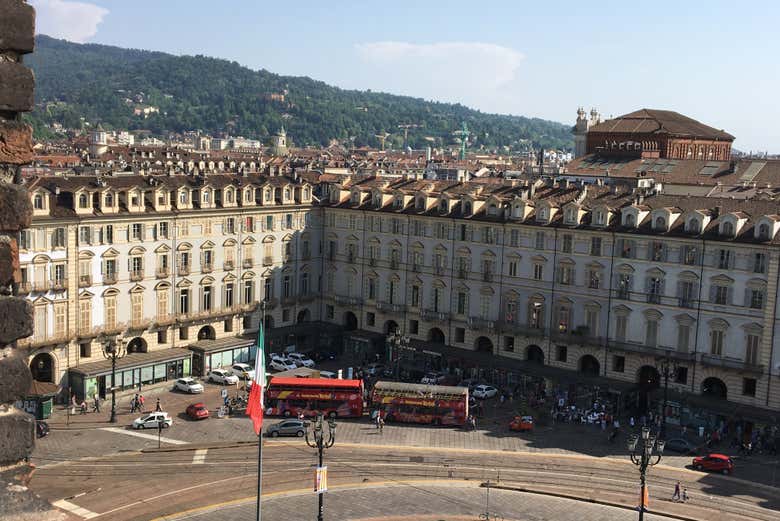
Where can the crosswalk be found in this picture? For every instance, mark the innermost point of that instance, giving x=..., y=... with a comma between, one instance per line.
x=144, y=435
x=74, y=509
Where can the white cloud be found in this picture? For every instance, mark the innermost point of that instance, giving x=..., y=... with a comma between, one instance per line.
x=74, y=21
x=468, y=72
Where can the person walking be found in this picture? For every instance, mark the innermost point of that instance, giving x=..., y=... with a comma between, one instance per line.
x=381, y=424
x=676, y=495
x=685, y=496
x=96, y=404
x=141, y=402
x=158, y=408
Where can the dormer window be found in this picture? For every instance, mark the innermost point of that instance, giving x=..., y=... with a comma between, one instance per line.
x=83, y=201
x=248, y=196
x=492, y=210
x=763, y=232
x=571, y=217
x=229, y=196
x=600, y=218
x=694, y=226
x=727, y=229
x=306, y=193
x=206, y=197
x=420, y=203
x=660, y=223
x=467, y=208
x=286, y=194
x=542, y=216
x=267, y=196
x=183, y=197
x=630, y=220
x=134, y=200
x=377, y=200
x=38, y=202
x=162, y=199
x=355, y=198
x=399, y=202
x=443, y=206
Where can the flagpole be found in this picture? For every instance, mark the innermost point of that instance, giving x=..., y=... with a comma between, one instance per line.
x=260, y=352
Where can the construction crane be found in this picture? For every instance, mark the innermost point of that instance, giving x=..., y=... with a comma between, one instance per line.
x=382, y=137
x=406, y=128
x=464, y=136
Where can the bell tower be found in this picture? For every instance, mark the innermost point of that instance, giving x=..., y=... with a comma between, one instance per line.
x=580, y=132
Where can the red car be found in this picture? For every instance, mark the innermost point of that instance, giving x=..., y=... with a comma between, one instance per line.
x=714, y=462
x=197, y=411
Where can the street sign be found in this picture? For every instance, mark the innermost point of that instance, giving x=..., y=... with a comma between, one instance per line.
x=321, y=480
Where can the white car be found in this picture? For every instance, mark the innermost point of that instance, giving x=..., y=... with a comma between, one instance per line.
x=222, y=376
x=300, y=360
x=328, y=374
x=484, y=391
x=281, y=363
x=153, y=420
x=188, y=385
x=243, y=371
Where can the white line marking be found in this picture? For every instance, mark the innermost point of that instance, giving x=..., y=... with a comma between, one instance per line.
x=145, y=436
x=74, y=509
x=200, y=457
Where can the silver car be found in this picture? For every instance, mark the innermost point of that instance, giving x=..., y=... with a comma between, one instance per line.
x=287, y=428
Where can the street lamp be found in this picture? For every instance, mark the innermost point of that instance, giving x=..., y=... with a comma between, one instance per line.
x=113, y=350
x=398, y=343
x=668, y=369
x=320, y=440
x=645, y=451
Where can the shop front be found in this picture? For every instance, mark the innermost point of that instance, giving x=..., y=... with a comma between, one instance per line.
x=221, y=353
x=364, y=347
x=133, y=371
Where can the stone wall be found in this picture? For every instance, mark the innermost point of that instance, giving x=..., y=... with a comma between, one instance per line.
x=17, y=428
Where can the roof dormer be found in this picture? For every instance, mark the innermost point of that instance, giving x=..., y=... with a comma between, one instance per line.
x=601, y=215
x=696, y=221
x=662, y=219
x=162, y=200
x=633, y=215
x=205, y=196
x=82, y=200
x=401, y=200
x=424, y=202
x=40, y=202
x=356, y=196
x=183, y=198
x=572, y=214
x=229, y=197
x=379, y=198
x=545, y=212
x=730, y=224
x=109, y=201
x=767, y=227
x=521, y=209
x=248, y=196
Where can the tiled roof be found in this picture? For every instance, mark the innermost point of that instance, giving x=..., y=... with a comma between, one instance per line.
x=652, y=121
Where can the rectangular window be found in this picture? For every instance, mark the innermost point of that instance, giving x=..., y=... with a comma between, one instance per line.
x=657, y=251
x=683, y=337
x=716, y=342
x=184, y=333
x=371, y=283
x=759, y=263
x=329, y=312
x=721, y=295
x=249, y=291
x=681, y=376
x=619, y=364
x=229, y=299
x=685, y=293
x=513, y=268
x=561, y=353
x=286, y=287
x=230, y=225
x=463, y=232
x=58, y=238
x=415, y=298
x=462, y=304
x=85, y=350
x=751, y=349
x=594, y=279
x=460, y=334
x=538, y=271
x=162, y=303
x=567, y=243
x=184, y=301
x=162, y=336
x=621, y=325
x=370, y=318
x=690, y=255
x=757, y=299
x=626, y=249
x=85, y=235
x=269, y=223
x=724, y=259
x=227, y=326
x=135, y=231
x=539, y=240
x=595, y=246
x=108, y=234
x=288, y=221
x=60, y=319
x=25, y=240
x=748, y=386
x=304, y=284
x=162, y=229
x=286, y=315
x=206, y=298
x=514, y=238
x=509, y=344
x=414, y=327
x=651, y=333
x=592, y=321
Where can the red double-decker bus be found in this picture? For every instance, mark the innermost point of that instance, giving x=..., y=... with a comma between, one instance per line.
x=419, y=403
x=312, y=396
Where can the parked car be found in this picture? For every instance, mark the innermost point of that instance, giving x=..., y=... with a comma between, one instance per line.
x=188, y=385
x=300, y=360
x=522, y=423
x=243, y=371
x=152, y=420
x=222, y=376
x=41, y=428
x=374, y=369
x=714, y=462
x=328, y=374
x=433, y=378
x=287, y=428
x=197, y=411
x=282, y=363
x=681, y=445
x=484, y=391
x=471, y=383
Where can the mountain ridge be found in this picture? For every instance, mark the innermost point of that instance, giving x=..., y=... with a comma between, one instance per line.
x=103, y=84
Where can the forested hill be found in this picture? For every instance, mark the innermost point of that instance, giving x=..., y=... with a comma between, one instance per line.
x=107, y=84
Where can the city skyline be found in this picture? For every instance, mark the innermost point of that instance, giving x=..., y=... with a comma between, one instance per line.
x=554, y=59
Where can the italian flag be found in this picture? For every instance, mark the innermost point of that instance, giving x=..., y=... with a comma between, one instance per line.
x=255, y=405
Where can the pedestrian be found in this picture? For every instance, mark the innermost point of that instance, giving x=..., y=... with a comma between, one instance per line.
x=685, y=496
x=141, y=402
x=381, y=424
x=83, y=407
x=676, y=495
x=631, y=422
x=158, y=408
x=300, y=415
x=96, y=405
x=137, y=404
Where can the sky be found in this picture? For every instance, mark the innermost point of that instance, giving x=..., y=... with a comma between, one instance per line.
x=714, y=61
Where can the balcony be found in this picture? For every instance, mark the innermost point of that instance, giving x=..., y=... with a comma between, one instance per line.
x=162, y=273
x=434, y=316
x=482, y=324
x=206, y=267
x=653, y=298
x=109, y=278
x=522, y=329
x=348, y=301
x=24, y=288
x=139, y=324
x=248, y=263
x=184, y=269
x=164, y=320
x=730, y=363
x=228, y=265
x=389, y=307
x=659, y=351
x=577, y=336
x=60, y=284
x=685, y=302
x=623, y=294
x=85, y=281
x=268, y=261
x=136, y=276
x=34, y=342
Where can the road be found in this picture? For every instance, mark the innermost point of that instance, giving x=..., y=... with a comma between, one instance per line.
x=143, y=485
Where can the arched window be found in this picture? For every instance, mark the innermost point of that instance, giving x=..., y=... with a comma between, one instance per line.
x=229, y=196
x=694, y=226
x=306, y=193
x=443, y=205
x=109, y=200
x=763, y=232
x=728, y=229
x=38, y=202
x=630, y=219
x=286, y=194
x=467, y=208
x=83, y=201
x=355, y=197
x=660, y=223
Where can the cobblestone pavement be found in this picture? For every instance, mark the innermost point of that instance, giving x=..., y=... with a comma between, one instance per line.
x=418, y=503
x=81, y=436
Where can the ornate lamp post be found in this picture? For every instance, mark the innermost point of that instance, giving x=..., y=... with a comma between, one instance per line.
x=645, y=451
x=667, y=368
x=113, y=350
x=398, y=344
x=320, y=440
